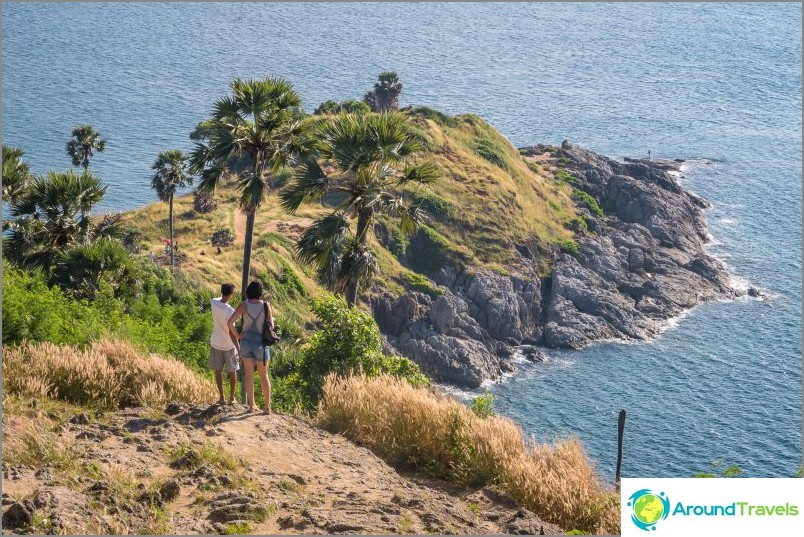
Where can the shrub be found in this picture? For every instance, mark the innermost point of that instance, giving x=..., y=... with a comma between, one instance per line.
x=222, y=238
x=350, y=106
x=428, y=250
x=579, y=224
x=169, y=316
x=491, y=151
x=589, y=201
x=434, y=205
x=569, y=246
x=483, y=404
x=87, y=267
x=440, y=118
x=108, y=375
x=563, y=176
x=348, y=341
x=132, y=239
x=555, y=205
x=411, y=427
x=281, y=177
x=204, y=202
x=534, y=167
x=417, y=282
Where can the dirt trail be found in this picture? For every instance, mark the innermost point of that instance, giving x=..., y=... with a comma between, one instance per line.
x=283, y=475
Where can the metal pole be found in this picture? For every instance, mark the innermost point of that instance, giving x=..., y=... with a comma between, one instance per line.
x=620, y=428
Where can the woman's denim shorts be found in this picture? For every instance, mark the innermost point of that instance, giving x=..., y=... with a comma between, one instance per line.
x=254, y=350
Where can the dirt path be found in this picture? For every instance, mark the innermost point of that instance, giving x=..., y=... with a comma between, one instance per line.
x=220, y=469
x=239, y=226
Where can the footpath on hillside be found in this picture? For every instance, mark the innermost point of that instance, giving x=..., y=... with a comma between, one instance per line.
x=218, y=469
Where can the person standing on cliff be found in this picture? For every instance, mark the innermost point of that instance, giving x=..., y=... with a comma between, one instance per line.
x=255, y=354
x=224, y=344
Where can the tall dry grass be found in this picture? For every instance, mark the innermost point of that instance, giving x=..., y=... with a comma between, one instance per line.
x=108, y=375
x=410, y=426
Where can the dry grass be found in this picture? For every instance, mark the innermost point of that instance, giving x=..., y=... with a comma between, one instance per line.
x=414, y=427
x=109, y=375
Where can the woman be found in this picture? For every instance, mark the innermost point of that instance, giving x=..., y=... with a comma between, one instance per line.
x=252, y=351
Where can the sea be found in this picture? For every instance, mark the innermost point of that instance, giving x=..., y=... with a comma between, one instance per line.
x=716, y=84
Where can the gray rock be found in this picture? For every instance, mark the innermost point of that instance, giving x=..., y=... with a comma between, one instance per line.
x=18, y=515
x=640, y=264
x=170, y=490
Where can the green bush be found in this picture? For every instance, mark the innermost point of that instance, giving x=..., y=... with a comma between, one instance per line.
x=350, y=106
x=440, y=118
x=492, y=151
x=483, y=404
x=589, y=201
x=570, y=246
x=428, y=251
x=434, y=205
x=563, y=176
x=348, y=341
x=86, y=267
x=168, y=316
x=417, y=282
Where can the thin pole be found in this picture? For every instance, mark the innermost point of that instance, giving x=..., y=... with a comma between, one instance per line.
x=620, y=429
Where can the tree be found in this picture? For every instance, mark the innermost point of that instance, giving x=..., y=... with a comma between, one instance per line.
x=87, y=267
x=82, y=146
x=16, y=174
x=385, y=95
x=170, y=173
x=252, y=134
x=53, y=214
x=367, y=159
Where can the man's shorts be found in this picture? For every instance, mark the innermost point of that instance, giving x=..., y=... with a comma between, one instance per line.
x=227, y=360
x=254, y=350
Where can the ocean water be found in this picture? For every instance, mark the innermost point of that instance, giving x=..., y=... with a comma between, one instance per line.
x=717, y=84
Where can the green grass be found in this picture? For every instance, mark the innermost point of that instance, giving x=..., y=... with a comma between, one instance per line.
x=417, y=282
x=589, y=201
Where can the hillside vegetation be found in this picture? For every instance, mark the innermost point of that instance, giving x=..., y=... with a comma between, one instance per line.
x=79, y=459
x=487, y=206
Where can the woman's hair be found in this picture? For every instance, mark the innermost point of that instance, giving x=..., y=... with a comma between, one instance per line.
x=254, y=289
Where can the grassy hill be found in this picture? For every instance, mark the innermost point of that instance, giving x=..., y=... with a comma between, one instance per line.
x=489, y=206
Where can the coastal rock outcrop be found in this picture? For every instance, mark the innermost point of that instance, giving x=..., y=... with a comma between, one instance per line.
x=640, y=263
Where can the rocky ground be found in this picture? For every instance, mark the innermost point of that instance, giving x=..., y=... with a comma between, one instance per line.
x=218, y=469
x=639, y=264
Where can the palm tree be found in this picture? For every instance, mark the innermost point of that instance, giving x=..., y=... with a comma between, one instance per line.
x=252, y=134
x=16, y=173
x=54, y=214
x=82, y=146
x=366, y=159
x=170, y=173
x=86, y=267
x=385, y=95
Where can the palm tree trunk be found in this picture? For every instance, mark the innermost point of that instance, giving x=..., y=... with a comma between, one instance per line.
x=247, y=252
x=170, y=218
x=363, y=220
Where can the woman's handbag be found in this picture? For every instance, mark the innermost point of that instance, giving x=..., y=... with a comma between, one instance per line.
x=269, y=334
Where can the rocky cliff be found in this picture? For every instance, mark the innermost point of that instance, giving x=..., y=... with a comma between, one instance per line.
x=638, y=259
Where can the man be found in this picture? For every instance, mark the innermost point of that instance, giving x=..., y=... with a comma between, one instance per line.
x=224, y=343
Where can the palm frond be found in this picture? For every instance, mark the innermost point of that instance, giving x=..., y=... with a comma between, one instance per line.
x=308, y=181
x=423, y=173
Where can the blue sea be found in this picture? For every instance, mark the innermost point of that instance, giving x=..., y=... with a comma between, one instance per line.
x=716, y=84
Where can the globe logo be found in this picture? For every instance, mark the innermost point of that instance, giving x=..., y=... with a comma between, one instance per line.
x=648, y=508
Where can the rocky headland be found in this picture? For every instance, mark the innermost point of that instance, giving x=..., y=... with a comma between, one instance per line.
x=639, y=260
